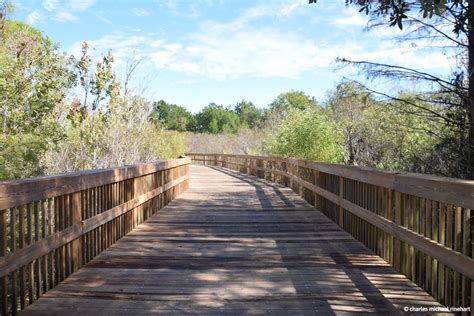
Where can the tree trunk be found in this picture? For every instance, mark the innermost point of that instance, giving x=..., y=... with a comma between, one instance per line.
x=471, y=90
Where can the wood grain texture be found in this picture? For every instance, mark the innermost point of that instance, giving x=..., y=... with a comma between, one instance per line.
x=449, y=190
x=45, y=241
x=414, y=231
x=234, y=244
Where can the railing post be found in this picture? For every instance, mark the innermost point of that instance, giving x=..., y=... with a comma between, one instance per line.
x=341, y=196
x=3, y=253
x=391, y=239
x=397, y=259
x=135, y=194
x=316, y=180
x=77, y=219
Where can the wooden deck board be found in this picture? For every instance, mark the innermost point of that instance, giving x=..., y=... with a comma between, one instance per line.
x=233, y=244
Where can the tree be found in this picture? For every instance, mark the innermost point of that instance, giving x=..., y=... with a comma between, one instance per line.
x=100, y=85
x=248, y=113
x=215, y=119
x=429, y=19
x=173, y=117
x=392, y=135
x=34, y=78
x=6, y=6
x=291, y=100
x=309, y=134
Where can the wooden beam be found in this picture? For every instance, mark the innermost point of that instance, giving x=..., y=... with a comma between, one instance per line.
x=443, y=189
x=27, y=254
x=20, y=192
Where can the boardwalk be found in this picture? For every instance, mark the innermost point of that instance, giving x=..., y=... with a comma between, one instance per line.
x=233, y=244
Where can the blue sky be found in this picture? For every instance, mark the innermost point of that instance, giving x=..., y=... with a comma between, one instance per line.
x=223, y=51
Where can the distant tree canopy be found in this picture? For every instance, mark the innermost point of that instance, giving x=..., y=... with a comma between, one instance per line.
x=173, y=117
x=217, y=118
x=291, y=100
x=250, y=116
x=213, y=118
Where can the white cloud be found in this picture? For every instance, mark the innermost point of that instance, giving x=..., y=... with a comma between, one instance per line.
x=352, y=18
x=64, y=10
x=240, y=48
x=64, y=16
x=292, y=7
x=81, y=5
x=255, y=53
x=50, y=5
x=286, y=9
x=122, y=47
x=103, y=18
x=141, y=12
x=183, y=8
x=33, y=17
x=165, y=56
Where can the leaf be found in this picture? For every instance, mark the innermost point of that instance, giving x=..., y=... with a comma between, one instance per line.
x=400, y=23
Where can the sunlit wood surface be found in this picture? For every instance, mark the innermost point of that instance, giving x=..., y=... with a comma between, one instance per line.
x=234, y=244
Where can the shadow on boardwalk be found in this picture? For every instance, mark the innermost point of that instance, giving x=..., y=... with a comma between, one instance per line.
x=234, y=244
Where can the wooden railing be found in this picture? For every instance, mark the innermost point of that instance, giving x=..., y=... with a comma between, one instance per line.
x=420, y=224
x=51, y=226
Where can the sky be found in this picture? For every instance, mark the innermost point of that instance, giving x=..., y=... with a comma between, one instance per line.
x=195, y=52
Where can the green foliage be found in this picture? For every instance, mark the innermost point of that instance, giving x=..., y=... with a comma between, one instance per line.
x=391, y=135
x=8, y=6
x=285, y=102
x=34, y=78
x=250, y=116
x=41, y=133
x=173, y=117
x=308, y=134
x=122, y=135
x=215, y=119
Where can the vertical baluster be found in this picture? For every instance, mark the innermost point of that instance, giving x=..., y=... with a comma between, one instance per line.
x=397, y=246
x=13, y=237
x=442, y=240
x=428, y=234
x=44, y=234
x=76, y=216
x=466, y=248
x=21, y=242
x=38, y=261
x=3, y=253
x=449, y=244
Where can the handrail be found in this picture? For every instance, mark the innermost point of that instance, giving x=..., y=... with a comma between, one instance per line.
x=421, y=224
x=51, y=226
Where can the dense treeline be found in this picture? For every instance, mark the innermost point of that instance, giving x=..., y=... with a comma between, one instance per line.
x=350, y=126
x=212, y=119
x=45, y=130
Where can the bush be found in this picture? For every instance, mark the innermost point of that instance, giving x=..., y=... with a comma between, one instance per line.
x=308, y=134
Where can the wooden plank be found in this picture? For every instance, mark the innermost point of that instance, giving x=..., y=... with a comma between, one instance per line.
x=274, y=257
x=14, y=280
x=76, y=212
x=60, y=238
x=21, y=242
x=21, y=192
x=449, y=190
x=39, y=249
x=3, y=253
x=447, y=256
